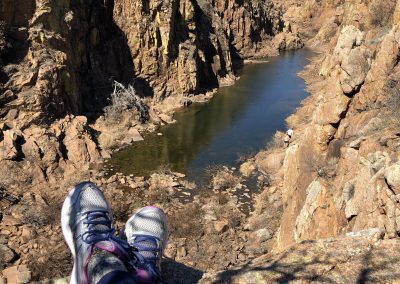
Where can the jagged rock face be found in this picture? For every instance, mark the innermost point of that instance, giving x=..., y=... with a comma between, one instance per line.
x=62, y=56
x=341, y=173
x=67, y=54
x=187, y=46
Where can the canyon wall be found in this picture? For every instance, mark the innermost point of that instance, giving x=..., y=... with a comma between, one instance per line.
x=341, y=171
x=59, y=61
x=187, y=47
x=62, y=57
x=336, y=186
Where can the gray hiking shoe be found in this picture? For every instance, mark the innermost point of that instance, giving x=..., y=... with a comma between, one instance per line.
x=86, y=222
x=147, y=232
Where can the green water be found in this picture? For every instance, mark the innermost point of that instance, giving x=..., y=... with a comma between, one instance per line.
x=239, y=120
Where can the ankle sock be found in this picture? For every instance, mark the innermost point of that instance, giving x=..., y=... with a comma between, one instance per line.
x=102, y=263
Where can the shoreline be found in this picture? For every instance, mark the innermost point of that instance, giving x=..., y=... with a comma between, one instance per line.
x=202, y=98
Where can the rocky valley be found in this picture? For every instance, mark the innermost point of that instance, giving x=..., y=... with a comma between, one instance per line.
x=81, y=79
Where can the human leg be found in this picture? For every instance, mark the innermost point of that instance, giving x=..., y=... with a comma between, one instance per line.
x=86, y=222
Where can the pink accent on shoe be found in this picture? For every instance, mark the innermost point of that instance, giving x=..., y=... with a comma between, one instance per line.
x=151, y=206
x=86, y=263
x=143, y=277
x=111, y=247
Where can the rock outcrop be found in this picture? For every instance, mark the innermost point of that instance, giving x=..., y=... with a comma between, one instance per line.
x=348, y=259
x=340, y=173
x=62, y=57
x=187, y=47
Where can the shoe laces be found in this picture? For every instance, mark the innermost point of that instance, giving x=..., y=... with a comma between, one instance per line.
x=148, y=249
x=100, y=229
x=143, y=253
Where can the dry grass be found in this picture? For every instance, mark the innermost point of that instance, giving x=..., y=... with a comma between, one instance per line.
x=301, y=117
x=392, y=89
x=55, y=263
x=221, y=198
x=185, y=223
x=223, y=179
x=390, y=115
x=325, y=169
x=122, y=212
x=277, y=141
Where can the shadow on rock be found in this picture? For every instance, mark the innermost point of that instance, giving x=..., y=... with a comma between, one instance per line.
x=175, y=272
x=340, y=260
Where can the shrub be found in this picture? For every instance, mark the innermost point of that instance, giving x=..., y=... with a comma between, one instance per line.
x=325, y=169
x=224, y=179
x=125, y=98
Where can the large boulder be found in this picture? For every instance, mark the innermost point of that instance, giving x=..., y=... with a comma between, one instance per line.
x=78, y=141
x=17, y=274
x=247, y=168
x=8, y=150
x=355, y=67
x=349, y=37
x=7, y=255
x=392, y=177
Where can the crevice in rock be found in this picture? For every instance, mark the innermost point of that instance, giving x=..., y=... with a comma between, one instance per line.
x=63, y=148
x=18, y=146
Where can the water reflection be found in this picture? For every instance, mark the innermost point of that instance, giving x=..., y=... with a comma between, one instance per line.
x=240, y=119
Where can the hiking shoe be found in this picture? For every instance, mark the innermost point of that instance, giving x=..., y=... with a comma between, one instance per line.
x=86, y=222
x=147, y=232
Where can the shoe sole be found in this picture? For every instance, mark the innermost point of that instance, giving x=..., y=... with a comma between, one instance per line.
x=66, y=228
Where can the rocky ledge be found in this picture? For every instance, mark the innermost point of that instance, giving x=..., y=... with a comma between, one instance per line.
x=358, y=257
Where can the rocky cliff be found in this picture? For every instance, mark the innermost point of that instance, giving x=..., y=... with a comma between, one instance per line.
x=187, y=47
x=60, y=59
x=340, y=173
x=337, y=183
x=68, y=53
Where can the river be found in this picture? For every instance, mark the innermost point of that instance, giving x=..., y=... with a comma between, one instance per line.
x=238, y=121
